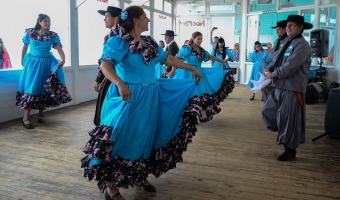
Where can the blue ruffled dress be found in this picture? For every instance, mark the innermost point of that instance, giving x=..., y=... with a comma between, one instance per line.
x=219, y=55
x=213, y=79
x=42, y=83
x=260, y=61
x=148, y=133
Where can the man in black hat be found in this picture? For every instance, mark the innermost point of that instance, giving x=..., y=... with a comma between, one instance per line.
x=282, y=38
x=172, y=48
x=284, y=110
x=281, y=33
x=101, y=84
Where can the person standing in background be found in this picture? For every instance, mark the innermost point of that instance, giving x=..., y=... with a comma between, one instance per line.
x=213, y=40
x=161, y=44
x=281, y=40
x=270, y=48
x=236, y=52
x=285, y=111
x=42, y=83
x=172, y=48
x=101, y=83
x=5, y=61
x=260, y=58
x=221, y=52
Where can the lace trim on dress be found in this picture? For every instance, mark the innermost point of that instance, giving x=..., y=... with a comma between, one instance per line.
x=199, y=54
x=148, y=49
x=48, y=35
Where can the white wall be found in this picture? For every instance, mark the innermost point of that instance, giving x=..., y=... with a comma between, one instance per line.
x=9, y=80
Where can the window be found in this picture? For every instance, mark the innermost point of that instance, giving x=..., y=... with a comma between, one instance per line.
x=91, y=31
x=166, y=22
x=328, y=22
x=21, y=18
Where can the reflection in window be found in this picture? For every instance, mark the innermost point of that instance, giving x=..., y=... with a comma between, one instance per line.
x=167, y=7
x=197, y=8
x=91, y=31
x=217, y=8
x=328, y=22
x=12, y=37
x=166, y=22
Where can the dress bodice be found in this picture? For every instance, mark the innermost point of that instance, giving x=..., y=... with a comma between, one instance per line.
x=40, y=45
x=131, y=67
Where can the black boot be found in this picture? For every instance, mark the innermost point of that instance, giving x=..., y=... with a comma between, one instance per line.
x=288, y=154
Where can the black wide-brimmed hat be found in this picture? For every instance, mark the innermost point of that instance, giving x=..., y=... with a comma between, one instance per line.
x=281, y=24
x=301, y=20
x=114, y=11
x=169, y=33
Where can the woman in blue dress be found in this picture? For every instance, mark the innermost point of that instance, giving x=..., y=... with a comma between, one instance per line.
x=221, y=52
x=215, y=81
x=42, y=82
x=146, y=123
x=260, y=58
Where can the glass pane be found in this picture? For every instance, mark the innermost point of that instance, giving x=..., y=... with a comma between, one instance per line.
x=140, y=2
x=328, y=22
x=261, y=5
x=191, y=9
x=217, y=8
x=167, y=7
x=91, y=31
x=252, y=34
x=292, y=3
x=159, y=5
x=147, y=12
x=12, y=37
x=165, y=21
x=186, y=26
x=309, y=15
x=223, y=30
x=326, y=2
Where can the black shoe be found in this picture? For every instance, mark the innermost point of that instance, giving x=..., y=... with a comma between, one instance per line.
x=27, y=125
x=149, y=188
x=287, y=155
x=108, y=197
x=252, y=98
x=41, y=119
x=274, y=129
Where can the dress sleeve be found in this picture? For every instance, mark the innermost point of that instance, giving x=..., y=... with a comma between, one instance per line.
x=26, y=38
x=207, y=56
x=56, y=41
x=114, y=50
x=184, y=52
x=163, y=55
x=230, y=55
x=252, y=57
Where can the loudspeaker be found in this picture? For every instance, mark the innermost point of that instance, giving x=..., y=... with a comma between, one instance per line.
x=319, y=43
x=314, y=92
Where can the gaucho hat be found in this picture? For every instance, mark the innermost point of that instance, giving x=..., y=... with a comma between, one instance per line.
x=301, y=20
x=169, y=33
x=114, y=11
x=281, y=24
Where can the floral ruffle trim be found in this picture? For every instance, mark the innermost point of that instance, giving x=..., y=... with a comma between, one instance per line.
x=148, y=50
x=48, y=35
x=118, y=172
x=58, y=95
x=58, y=90
x=27, y=101
x=199, y=109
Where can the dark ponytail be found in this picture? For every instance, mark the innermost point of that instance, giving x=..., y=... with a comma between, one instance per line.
x=41, y=17
x=224, y=52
